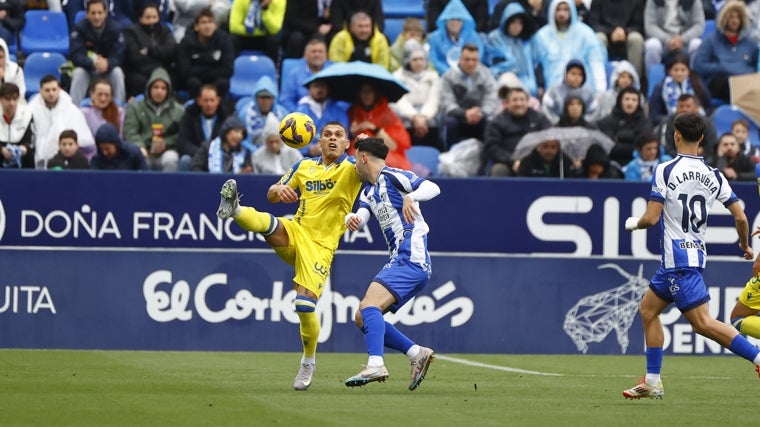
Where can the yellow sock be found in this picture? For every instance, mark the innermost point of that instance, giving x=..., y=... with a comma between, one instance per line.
x=259, y=222
x=307, y=314
x=751, y=326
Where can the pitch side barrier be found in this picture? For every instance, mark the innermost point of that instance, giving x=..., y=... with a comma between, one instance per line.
x=140, y=261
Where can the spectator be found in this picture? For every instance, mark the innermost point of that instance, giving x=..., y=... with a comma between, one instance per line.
x=687, y=103
x=597, y=164
x=11, y=72
x=507, y=128
x=729, y=51
x=304, y=20
x=149, y=45
x=314, y=60
x=740, y=129
x=565, y=38
x=623, y=75
x=186, y=14
x=649, y=153
x=371, y=115
x=361, y=41
x=53, y=112
x=323, y=110
x=16, y=130
x=341, y=12
x=456, y=28
x=102, y=108
x=509, y=48
x=584, y=14
x=547, y=161
x=573, y=83
x=411, y=29
x=626, y=122
x=274, y=158
x=68, y=156
x=619, y=24
x=225, y=153
x=97, y=50
x=113, y=154
x=729, y=159
x=152, y=124
x=12, y=20
x=672, y=27
x=678, y=81
x=573, y=113
x=478, y=10
x=256, y=25
x=753, y=11
x=418, y=108
x=200, y=122
x=535, y=12
x=468, y=97
x=258, y=110
x=206, y=55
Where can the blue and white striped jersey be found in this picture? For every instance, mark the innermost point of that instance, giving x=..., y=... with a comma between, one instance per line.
x=385, y=200
x=687, y=188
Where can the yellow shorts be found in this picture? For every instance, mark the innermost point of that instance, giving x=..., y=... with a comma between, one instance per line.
x=750, y=296
x=311, y=261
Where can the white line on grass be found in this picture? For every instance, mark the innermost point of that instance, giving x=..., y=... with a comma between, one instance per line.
x=496, y=367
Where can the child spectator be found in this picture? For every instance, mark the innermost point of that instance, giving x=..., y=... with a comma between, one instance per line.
x=411, y=29
x=740, y=129
x=678, y=81
x=547, y=161
x=274, y=158
x=623, y=75
x=69, y=156
x=648, y=154
x=597, y=164
x=573, y=113
x=575, y=78
x=225, y=153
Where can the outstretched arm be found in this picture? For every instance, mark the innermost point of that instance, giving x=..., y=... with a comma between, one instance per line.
x=426, y=191
x=651, y=217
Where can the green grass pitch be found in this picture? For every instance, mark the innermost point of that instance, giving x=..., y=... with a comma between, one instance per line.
x=131, y=388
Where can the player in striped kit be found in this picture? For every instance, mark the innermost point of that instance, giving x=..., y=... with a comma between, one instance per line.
x=683, y=190
x=393, y=196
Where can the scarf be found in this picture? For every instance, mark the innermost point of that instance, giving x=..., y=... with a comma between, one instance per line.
x=671, y=90
x=253, y=17
x=216, y=158
x=16, y=154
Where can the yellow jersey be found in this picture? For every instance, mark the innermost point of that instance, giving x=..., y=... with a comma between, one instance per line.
x=327, y=194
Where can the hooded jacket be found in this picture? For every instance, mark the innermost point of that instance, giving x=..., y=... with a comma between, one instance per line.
x=553, y=101
x=512, y=54
x=64, y=115
x=554, y=49
x=13, y=73
x=479, y=10
x=109, y=43
x=249, y=113
x=142, y=116
x=227, y=158
x=424, y=94
x=20, y=131
x=624, y=129
x=609, y=97
x=128, y=156
x=445, y=52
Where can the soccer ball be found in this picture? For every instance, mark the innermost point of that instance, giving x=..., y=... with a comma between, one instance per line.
x=297, y=130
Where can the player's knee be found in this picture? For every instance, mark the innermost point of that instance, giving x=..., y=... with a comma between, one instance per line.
x=358, y=320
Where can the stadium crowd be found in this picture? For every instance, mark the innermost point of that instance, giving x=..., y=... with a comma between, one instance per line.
x=147, y=84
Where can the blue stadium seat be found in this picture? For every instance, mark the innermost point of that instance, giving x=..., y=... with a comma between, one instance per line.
x=45, y=31
x=709, y=28
x=655, y=74
x=609, y=68
x=393, y=28
x=403, y=9
x=247, y=71
x=724, y=115
x=37, y=65
x=13, y=45
x=424, y=155
x=286, y=67
x=80, y=16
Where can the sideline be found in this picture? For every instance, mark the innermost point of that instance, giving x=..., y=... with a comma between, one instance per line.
x=496, y=367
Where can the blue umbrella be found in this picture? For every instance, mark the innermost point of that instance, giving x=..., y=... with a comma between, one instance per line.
x=344, y=79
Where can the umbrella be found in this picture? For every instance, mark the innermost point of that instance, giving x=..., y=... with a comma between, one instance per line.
x=345, y=78
x=574, y=141
x=745, y=93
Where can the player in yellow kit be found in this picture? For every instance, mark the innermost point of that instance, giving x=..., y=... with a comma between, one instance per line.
x=744, y=316
x=325, y=188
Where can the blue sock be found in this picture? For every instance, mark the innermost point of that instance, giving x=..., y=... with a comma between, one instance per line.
x=742, y=347
x=654, y=360
x=396, y=340
x=374, y=330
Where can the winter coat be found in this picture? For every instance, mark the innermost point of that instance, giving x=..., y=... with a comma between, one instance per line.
x=609, y=98
x=512, y=54
x=624, y=129
x=207, y=61
x=606, y=15
x=149, y=47
x=77, y=161
x=554, y=50
x=689, y=11
x=534, y=166
x=271, y=18
x=64, y=115
x=85, y=40
x=143, y=115
x=128, y=156
x=241, y=154
x=20, y=131
x=504, y=131
x=384, y=118
x=460, y=92
x=478, y=9
x=191, y=134
x=342, y=48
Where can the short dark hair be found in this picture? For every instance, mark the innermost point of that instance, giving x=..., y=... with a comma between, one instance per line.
x=334, y=122
x=687, y=96
x=68, y=133
x=644, y=139
x=204, y=13
x=89, y=3
x=471, y=47
x=740, y=122
x=47, y=78
x=9, y=89
x=691, y=126
x=725, y=134
x=373, y=146
x=208, y=86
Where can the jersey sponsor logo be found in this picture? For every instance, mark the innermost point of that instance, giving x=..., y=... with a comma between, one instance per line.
x=318, y=185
